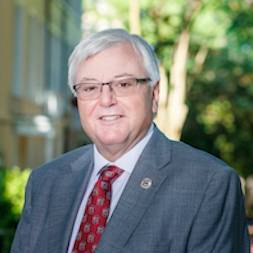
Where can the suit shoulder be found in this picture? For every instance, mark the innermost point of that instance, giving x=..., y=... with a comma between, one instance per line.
x=187, y=159
x=196, y=159
x=61, y=162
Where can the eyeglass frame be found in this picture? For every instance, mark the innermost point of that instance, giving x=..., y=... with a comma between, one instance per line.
x=110, y=83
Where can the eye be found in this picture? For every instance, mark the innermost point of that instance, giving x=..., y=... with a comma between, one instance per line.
x=125, y=84
x=88, y=88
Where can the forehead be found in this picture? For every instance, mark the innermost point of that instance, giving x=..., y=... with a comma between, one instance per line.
x=115, y=60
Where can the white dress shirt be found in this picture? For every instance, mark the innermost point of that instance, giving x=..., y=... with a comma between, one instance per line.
x=126, y=163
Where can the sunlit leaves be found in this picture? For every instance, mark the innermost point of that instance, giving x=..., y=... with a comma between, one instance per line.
x=218, y=112
x=15, y=181
x=12, y=187
x=210, y=27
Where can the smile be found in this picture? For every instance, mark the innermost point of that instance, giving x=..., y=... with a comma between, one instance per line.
x=110, y=117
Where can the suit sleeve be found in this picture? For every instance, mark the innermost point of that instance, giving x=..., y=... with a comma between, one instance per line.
x=220, y=223
x=23, y=231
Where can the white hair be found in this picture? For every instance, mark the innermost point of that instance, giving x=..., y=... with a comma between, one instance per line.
x=100, y=41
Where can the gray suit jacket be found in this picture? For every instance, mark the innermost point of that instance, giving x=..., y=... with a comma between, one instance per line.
x=194, y=205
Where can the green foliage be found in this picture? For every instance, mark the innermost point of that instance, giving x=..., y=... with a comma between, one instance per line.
x=220, y=90
x=210, y=28
x=221, y=97
x=12, y=186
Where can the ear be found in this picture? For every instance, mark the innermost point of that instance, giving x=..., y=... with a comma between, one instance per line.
x=155, y=97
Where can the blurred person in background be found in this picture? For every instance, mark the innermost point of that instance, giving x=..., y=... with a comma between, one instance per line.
x=133, y=189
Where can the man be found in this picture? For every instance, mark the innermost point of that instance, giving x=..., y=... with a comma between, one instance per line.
x=133, y=190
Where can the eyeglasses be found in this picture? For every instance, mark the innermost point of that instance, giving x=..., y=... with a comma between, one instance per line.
x=121, y=88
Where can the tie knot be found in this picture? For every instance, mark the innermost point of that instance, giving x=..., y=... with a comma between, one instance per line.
x=111, y=173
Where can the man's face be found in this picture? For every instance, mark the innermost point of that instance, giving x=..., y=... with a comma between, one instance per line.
x=116, y=124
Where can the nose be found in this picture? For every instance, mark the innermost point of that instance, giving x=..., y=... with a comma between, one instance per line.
x=107, y=96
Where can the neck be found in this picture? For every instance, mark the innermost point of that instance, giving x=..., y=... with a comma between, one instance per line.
x=114, y=152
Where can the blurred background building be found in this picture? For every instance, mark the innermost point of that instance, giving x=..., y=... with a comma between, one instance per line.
x=35, y=105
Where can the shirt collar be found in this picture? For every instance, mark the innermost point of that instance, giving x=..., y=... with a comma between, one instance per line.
x=128, y=160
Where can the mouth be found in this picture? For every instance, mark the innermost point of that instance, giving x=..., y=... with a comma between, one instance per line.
x=109, y=118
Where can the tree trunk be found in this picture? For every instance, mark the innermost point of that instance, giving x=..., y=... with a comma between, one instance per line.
x=200, y=59
x=173, y=109
x=134, y=17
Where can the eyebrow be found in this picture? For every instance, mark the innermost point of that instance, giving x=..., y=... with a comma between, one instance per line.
x=83, y=79
x=124, y=75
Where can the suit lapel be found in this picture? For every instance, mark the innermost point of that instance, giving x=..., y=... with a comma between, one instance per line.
x=66, y=197
x=136, y=199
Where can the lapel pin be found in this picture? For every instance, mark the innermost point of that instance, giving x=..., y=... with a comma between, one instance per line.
x=146, y=183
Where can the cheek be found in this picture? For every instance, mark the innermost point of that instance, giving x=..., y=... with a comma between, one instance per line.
x=86, y=108
x=86, y=113
x=142, y=110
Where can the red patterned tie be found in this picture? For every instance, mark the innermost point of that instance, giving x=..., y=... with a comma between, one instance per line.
x=96, y=212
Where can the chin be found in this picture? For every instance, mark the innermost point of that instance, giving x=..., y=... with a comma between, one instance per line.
x=111, y=140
